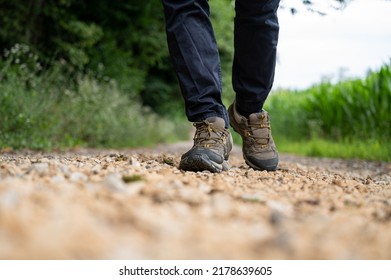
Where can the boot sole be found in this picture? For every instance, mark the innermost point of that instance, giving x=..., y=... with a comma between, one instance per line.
x=201, y=162
x=256, y=167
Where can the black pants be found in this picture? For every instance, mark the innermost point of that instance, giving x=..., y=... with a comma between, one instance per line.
x=195, y=56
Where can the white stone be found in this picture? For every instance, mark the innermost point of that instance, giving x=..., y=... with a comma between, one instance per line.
x=78, y=177
x=40, y=168
x=113, y=182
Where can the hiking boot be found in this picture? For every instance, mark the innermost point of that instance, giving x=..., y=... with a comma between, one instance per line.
x=212, y=145
x=259, y=150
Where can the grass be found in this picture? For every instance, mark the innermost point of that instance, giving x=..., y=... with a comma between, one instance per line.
x=92, y=114
x=320, y=147
x=369, y=150
x=349, y=119
x=53, y=110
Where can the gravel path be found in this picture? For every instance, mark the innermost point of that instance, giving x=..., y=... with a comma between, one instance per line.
x=136, y=204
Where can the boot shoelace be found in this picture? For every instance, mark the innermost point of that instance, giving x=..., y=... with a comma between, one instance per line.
x=259, y=139
x=214, y=135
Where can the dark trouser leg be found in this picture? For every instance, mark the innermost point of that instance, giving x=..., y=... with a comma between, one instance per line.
x=195, y=56
x=256, y=36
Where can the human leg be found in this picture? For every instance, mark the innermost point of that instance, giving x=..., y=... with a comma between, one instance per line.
x=256, y=37
x=195, y=57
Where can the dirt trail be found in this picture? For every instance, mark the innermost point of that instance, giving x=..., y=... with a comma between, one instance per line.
x=136, y=204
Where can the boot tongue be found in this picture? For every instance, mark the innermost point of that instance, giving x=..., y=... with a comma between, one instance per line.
x=257, y=122
x=216, y=122
x=255, y=118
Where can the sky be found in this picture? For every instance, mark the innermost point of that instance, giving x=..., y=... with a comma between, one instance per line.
x=344, y=43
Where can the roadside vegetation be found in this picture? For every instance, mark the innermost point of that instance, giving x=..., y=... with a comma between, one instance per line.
x=52, y=110
x=349, y=119
x=70, y=77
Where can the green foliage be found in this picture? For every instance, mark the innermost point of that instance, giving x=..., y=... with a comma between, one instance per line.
x=98, y=60
x=50, y=110
x=353, y=111
x=120, y=40
x=370, y=149
x=123, y=41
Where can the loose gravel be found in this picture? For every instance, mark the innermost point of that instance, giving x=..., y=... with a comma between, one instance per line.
x=136, y=204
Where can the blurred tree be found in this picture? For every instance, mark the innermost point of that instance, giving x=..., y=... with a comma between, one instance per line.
x=116, y=39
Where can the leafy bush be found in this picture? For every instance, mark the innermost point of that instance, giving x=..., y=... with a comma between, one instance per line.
x=44, y=110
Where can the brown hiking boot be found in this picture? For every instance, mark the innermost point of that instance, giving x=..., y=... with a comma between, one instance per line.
x=212, y=145
x=259, y=150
